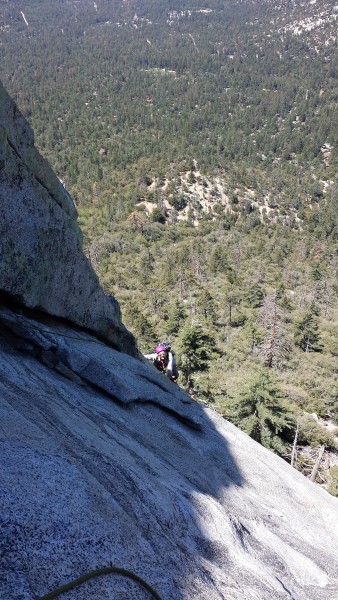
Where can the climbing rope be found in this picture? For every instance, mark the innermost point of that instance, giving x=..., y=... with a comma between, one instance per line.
x=97, y=573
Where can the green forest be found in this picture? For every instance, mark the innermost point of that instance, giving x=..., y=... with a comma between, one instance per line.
x=199, y=142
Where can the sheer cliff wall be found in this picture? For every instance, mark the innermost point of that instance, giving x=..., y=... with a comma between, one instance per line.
x=42, y=263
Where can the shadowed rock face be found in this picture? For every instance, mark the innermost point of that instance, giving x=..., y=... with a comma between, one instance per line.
x=103, y=461
x=42, y=263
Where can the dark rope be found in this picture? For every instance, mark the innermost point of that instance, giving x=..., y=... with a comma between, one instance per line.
x=96, y=573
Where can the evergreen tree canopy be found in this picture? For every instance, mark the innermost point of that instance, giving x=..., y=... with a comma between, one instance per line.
x=196, y=348
x=260, y=409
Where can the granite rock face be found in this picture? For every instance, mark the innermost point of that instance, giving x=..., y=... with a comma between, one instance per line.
x=134, y=474
x=42, y=263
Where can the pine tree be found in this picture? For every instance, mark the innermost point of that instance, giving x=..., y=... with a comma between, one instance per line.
x=254, y=295
x=176, y=316
x=231, y=298
x=196, y=348
x=205, y=305
x=260, y=409
x=307, y=334
x=140, y=326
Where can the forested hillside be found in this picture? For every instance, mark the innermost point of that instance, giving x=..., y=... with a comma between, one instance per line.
x=199, y=141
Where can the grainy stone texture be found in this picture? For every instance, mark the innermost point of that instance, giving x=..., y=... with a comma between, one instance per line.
x=88, y=481
x=42, y=263
x=84, y=359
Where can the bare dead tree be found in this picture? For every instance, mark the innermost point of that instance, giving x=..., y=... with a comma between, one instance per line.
x=294, y=446
x=275, y=347
x=317, y=463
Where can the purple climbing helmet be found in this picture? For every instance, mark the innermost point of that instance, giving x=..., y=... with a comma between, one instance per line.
x=160, y=348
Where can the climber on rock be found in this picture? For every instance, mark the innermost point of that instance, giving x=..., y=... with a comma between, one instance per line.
x=164, y=360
